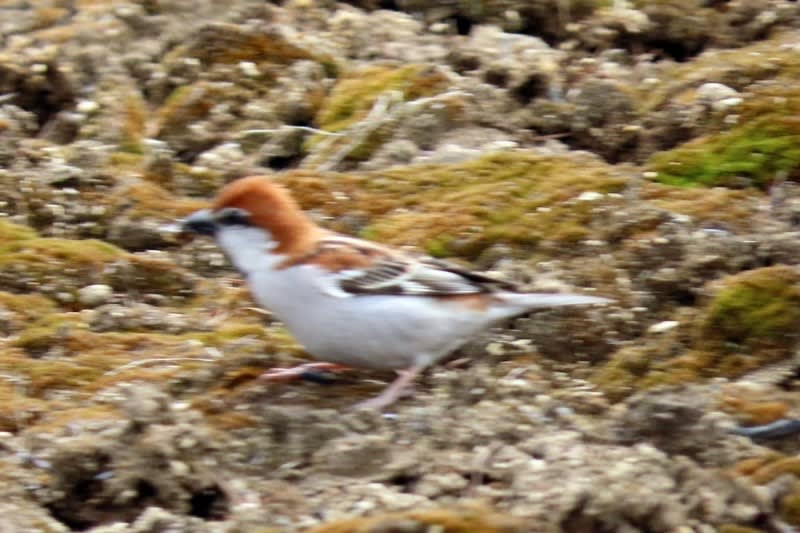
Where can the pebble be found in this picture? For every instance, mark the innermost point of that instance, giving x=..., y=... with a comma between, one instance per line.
x=95, y=295
x=664, y=326
x=590, y=196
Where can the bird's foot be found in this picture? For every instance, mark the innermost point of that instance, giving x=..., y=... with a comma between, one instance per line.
x=398, y=388
x=309, y=371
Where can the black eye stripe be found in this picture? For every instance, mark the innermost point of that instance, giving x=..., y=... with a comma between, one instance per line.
x=232, y=216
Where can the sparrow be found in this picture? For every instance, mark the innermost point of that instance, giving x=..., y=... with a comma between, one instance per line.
x=351, y=302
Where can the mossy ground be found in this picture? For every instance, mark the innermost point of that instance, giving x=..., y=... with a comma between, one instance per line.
x=58, y=357
x=143, y=199
x=51, y=354
x=757, y=153
x=10, y=232
x=752, y=320
x=476, y=519
x=761, y=145
x=512, y=198
x=732, y=209
x=766, y=469
x=356, y=92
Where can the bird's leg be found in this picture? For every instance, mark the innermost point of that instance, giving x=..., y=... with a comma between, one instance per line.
x=305, y=371
x=391, y=393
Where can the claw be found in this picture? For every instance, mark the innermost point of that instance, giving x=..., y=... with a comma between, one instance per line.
x=310, y=371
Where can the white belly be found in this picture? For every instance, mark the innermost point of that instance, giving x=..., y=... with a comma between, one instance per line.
x=384, y=332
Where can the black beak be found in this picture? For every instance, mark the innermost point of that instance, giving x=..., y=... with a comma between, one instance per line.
x=199, y=222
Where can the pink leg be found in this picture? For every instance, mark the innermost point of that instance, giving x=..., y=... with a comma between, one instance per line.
x=296, y=372
x=391, y=393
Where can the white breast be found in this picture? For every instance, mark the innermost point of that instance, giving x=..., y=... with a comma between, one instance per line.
x=248, y=248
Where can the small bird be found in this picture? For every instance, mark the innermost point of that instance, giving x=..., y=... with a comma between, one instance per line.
x=351, y=302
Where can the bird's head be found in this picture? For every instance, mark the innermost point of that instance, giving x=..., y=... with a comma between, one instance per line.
x=254, y=212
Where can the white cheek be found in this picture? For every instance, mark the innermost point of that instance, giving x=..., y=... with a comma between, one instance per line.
x=249, y=249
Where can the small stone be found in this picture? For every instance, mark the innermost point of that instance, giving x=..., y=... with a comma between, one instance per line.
x=726, y=103
x=64, y=297
x=248, y=68
x=718, y=96
x=179, y=468
x=95, y=295
x=590, y=196
x=87, y=106
x=495, y=348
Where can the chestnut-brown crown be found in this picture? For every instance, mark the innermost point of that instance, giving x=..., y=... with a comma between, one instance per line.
x=272, y=208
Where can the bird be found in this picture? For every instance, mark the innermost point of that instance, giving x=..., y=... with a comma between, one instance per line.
x=351, y=302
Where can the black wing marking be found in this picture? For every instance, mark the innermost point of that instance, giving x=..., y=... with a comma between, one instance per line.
x=391, y=272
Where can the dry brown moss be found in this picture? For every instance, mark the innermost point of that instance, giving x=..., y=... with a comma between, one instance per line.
x=514, y=198
x=728, y=208
x=766, y=469
x=230, y=43
x=465, y=519
x=356, y=91
x=17, y=410
x=145, y=273
x=56, y=419
x=133, y=112
x=186, y=105
x=740, y=67
x=53, y=266
x=355, y=94
x=28, y=307
x=143, y=199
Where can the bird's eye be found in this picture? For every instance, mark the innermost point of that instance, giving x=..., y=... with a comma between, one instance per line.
x=232, y=216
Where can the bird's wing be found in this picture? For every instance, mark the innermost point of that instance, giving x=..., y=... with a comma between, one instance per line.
x=362, y=267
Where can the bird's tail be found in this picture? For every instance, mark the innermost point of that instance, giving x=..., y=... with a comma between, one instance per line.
x=533, y=300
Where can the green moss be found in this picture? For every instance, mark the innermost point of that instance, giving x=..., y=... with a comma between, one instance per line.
x=232, y=332
x=144, y=273
x=72, y=251
x=125, y=162
x=763, y=147
x=757, y=309
x=757, y=152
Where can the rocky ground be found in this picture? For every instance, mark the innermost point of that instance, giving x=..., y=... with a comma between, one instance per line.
x=648, y=151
